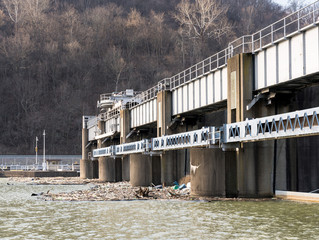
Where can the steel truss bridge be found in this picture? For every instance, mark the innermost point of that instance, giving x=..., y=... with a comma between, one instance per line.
x=288, y=125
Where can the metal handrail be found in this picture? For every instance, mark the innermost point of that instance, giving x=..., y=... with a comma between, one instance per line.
x=292, y=24
x=150, y=93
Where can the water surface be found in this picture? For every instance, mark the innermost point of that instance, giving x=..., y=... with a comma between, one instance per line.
x=26, y=217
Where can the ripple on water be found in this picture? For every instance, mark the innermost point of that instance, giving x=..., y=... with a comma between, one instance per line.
x=25, y=217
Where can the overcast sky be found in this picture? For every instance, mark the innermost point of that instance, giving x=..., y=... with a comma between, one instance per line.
x=285, y=2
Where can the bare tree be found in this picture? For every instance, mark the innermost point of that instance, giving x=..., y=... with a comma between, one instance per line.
x=200, y=21
x=115, y=64
x=294, y=5
x=2, y=17
x=35, y=8
x=14, y=10
x=203, y=19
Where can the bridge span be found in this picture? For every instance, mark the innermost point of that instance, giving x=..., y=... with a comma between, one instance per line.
x=239, y=122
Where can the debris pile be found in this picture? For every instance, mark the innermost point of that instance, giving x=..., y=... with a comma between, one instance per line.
x=122, y=191
x=52, y=180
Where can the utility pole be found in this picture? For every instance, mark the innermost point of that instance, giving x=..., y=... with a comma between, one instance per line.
x=36, y=150
x=44, y=163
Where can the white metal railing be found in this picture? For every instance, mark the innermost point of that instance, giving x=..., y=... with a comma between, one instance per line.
x=34, y=167
x=101, y=152
x=285, y=27
x=112, y=113
x=278, y=31
x=293, y=124
x=150, y=93
x=198, y=138
x=288, y=125
x=134, y=147
x=18, y=167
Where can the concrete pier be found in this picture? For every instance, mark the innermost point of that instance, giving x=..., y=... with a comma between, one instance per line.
x=168, y=167
x=156, y=170
x=125, y=168
x=172, y=162
x=95, y=168
x=140, y=170
x=207, y=172
x=86, y=170
x=125, y=129
x=110, y=169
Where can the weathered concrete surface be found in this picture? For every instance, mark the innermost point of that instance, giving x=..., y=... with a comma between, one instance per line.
x=207, y=172
x=86, y=169
x=164, y=117
x=140, y=170
x=125, y=124
x=168, y=167
x=156, y=170
x=298, y=196
x=110, y=169
x=84, y=143
x=95, y=169
x=126, y=168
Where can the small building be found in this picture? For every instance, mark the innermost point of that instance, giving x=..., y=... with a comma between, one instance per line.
x=53, y=164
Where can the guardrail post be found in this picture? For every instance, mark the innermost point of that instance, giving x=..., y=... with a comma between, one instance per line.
x=243, y=43
x=313, y=14
x=226, y=56
x=284, y=27
x=298, y=21
x=272, y=34
x=252, y=43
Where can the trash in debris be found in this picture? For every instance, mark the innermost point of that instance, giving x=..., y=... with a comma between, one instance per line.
x=182, y=186
x=36, y=194
x=176, y=187
x=188, y=185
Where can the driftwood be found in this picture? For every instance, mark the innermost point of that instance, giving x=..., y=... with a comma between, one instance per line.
x=142, y=192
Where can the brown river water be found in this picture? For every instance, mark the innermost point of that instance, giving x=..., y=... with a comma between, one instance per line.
x=26, y=217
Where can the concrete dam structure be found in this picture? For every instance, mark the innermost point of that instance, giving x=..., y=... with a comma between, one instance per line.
x=241, y=123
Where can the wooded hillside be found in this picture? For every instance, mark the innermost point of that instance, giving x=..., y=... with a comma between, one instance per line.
x=57, y=56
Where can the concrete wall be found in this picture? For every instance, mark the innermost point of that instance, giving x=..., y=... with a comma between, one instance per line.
x=38, y=174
